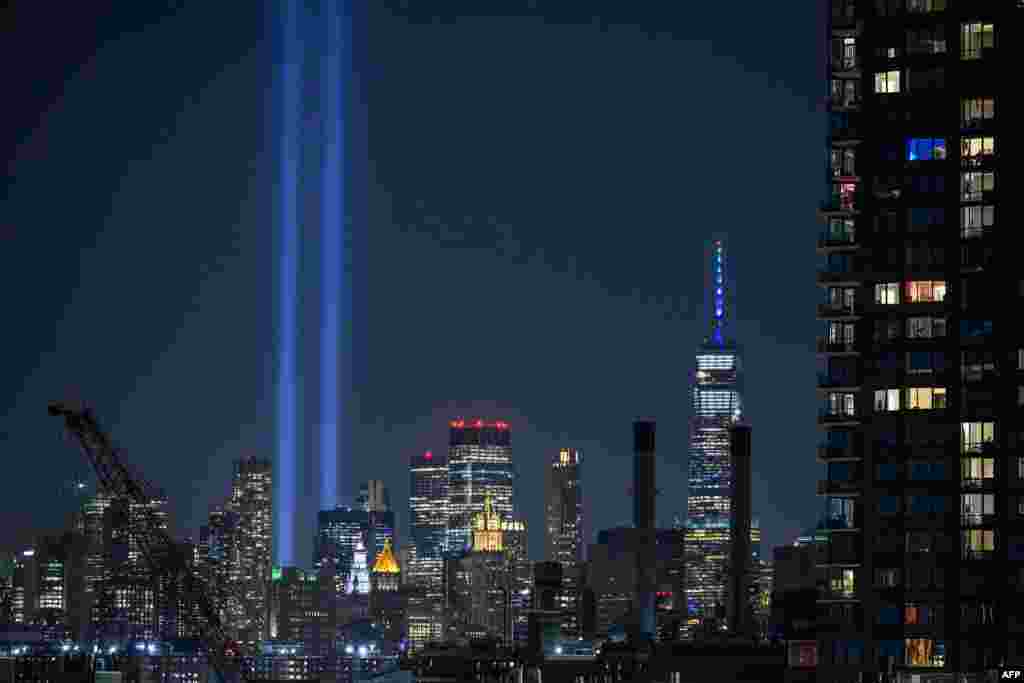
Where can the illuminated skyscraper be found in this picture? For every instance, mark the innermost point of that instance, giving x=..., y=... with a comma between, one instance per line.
x=479, y=465
x=717, y=405
x=428, y=511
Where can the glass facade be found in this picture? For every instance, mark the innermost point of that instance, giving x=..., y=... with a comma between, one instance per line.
x=479, y=466
x=717, y=406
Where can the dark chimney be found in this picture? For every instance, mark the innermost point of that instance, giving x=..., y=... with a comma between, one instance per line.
x=643, y=474
x=740, y=552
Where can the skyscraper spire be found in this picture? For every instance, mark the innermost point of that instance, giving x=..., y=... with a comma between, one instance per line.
x=718, y=312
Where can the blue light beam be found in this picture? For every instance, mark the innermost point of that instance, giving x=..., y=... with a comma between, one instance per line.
x=290, y=91
x=335, y=65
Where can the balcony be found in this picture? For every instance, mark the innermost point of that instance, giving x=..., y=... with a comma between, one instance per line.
x=845, y=203
x=826, y=417
x=972, y=554
x=839, y=275
x=977, y=484
x=825, y=345
x=828, y=453
x=827, y=381
x=977, y=519
x=833, y=487
x=837, y=239
x=832, y=311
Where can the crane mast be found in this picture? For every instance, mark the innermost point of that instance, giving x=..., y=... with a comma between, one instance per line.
x=163, y=556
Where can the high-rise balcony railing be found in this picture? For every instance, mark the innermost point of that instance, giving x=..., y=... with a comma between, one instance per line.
x=837, y=238
x=839, y=487
x=828, y=381
x=825, y=345
x=838, y=310
x=828, y=452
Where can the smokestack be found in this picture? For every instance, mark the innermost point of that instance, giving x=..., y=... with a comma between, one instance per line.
x=643, y=474
x=740, y=552
x=643, y=519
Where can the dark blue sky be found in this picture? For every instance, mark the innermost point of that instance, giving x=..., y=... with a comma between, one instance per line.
x=541, y=188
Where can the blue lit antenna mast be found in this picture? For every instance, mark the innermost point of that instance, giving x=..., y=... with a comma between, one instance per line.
x=718, y=298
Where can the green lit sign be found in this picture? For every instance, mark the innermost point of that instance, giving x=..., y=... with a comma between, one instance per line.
x=275, y=574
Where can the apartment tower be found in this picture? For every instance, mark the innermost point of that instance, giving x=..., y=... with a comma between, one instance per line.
x=922, y=361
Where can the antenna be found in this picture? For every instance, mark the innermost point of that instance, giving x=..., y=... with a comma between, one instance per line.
x=718, y=286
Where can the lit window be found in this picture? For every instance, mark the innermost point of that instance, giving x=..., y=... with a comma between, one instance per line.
x=887, y=293
x=1020, y=359
x=975, y=506
x=976, y=149
x=924, y=652
x=887, y=400
x=926, y=291
x=976, y=471
x=926, y=149
x=975, y=220
x=887, y=82
x=914, y=614
x=975, y=38
x=926, y=398
x=926, y=5
x=975, y=110
x=977, y=543
x=974, y=435
x=974, y=185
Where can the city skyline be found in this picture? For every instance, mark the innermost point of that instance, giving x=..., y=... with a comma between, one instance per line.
x=208, y=314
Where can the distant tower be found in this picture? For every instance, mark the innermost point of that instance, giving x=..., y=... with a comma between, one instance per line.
x=717, y=407
x=565, y=521
x=359, y=577
x=479, y=465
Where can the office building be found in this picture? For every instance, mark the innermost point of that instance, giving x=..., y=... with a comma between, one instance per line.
x=921, y=360
x=479, y=466
x=564, y=532
x=251, y=505
x=424, y=572
x=375, y=501
x=717, y=407
x=339, y=531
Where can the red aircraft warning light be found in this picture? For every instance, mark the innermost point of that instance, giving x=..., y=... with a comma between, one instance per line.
x=501, y=425
x=479, y=424
x=428, y=456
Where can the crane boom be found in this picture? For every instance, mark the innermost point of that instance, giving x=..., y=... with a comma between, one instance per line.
x=161, y=553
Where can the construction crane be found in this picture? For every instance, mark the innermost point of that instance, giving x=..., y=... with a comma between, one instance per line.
x=163, y=556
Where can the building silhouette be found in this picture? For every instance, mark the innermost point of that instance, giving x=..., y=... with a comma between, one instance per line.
x=564, y=538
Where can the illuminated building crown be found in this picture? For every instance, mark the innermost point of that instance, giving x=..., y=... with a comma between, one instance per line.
x=385, y=562
x=488, y=530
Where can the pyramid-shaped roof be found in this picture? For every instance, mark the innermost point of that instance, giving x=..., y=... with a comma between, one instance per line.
x=385, y=562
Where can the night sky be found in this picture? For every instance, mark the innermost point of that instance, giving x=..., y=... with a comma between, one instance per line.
x=542, y=188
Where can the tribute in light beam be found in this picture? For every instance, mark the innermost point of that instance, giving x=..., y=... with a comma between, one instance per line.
x=335, y=65
x=289, y=85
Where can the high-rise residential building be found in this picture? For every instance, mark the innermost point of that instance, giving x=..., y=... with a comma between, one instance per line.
x=717, y=406
x=921, y=359
x=564, y=532
x=479, y=465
